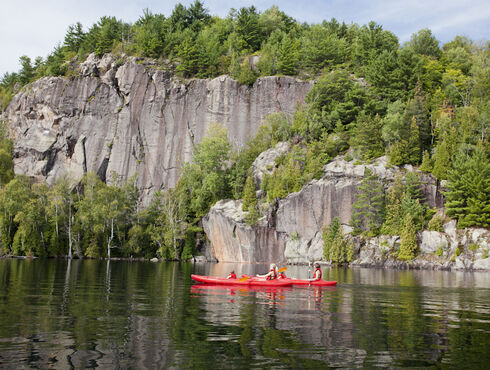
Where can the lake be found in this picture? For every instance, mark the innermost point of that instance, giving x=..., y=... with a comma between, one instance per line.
x=121, y=314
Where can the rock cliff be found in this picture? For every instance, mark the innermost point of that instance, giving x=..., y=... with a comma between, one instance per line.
x=133, y=118
x=294, y=227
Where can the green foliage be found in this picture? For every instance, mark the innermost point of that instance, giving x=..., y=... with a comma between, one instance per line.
x=468, y=189
x=401, y=200
x=249, y=198
x=369, y=208
x=276, y=127
x=435, y=223
x=439, y=252
x=204, y=180
x=246, y=75
x=367, y=137
x=321, y=49
x=252, y=216
x=442, y=161
x=288, y=56
x=408, y=243
x=424, y=43
x=336, y=247
x=426, y=165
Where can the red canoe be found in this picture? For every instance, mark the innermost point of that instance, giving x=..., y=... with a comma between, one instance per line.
x=304, y=281
x=248, y=282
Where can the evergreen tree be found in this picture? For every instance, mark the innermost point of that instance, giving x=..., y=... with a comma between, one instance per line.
x=394, y=212
x=74, y=37
x=249, y=197
x=368, y=138
x=442, y=161
x=335, y=247
x=288, y=57
x=426, y=165
x=468, y=189
x=369, y=207
x=408, y=243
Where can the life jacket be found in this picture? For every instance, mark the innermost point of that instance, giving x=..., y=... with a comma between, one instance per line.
x=274, y=276
x=314, y=274
x=282, y=275
x=231, y=276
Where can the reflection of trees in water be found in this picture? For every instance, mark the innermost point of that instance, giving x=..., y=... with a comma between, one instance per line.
x=142, y=315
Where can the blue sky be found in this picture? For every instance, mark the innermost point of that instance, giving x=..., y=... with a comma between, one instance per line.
x=34, y=27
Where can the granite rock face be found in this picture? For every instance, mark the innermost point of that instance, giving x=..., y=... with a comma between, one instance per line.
x=133, y=118
x=232, y=240
x=294, y=226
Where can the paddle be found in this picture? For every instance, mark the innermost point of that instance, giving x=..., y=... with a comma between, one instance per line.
x=282, y=269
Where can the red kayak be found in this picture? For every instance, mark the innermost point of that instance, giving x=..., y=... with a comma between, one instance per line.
x=303, y=281
x=249, y=282
x=315, y=283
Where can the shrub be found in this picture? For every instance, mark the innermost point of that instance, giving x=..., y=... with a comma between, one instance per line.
x=435, y=223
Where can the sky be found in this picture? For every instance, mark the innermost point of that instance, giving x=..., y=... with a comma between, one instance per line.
x=35, y=27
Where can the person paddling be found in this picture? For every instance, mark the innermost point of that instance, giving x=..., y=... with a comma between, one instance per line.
x=317, y=274
x=281, y=275
x=231, y=275
x=272, y=274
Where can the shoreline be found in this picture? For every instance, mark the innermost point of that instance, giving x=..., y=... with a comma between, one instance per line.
x=419, y=263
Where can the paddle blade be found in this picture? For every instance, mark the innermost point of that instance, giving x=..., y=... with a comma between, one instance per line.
x=282, y=269
x=244, y=278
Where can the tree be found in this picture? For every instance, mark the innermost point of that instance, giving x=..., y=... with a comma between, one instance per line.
x=26, y=73
x=442, y=160
x=369, y=207
x=188, y=55
x=168, y=229
x=367, y=137
x=321, y=49
x=249, y=197
x=408, y=244
x=424, y=43
x=150, y=34
x=13, y=197
x=205, y=179
x=74, y=37
x=468, y=189
x=426, y=165
x=335, y=247
x=62, y=213
x=288, y=57
x=417, y=109
x=247, y=29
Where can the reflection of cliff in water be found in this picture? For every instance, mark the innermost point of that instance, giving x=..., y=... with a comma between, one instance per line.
x=89, y=313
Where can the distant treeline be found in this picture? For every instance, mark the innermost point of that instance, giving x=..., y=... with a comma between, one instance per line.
x=419, y=104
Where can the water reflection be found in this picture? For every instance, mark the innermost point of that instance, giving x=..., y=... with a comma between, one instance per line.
x=65, y=314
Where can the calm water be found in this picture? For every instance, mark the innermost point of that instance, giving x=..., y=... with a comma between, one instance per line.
x=60, y=314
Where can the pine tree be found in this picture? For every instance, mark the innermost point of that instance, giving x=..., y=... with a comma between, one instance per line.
x=414, y=143
x=249, y=197
x=394, y=213
x=369, y=207
x=288, y=58
x=335, y=247
x=426, y=165
x=368, y=138
x=417, y=109
x=442, y=161
x=468, y=189
x=408, y=244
